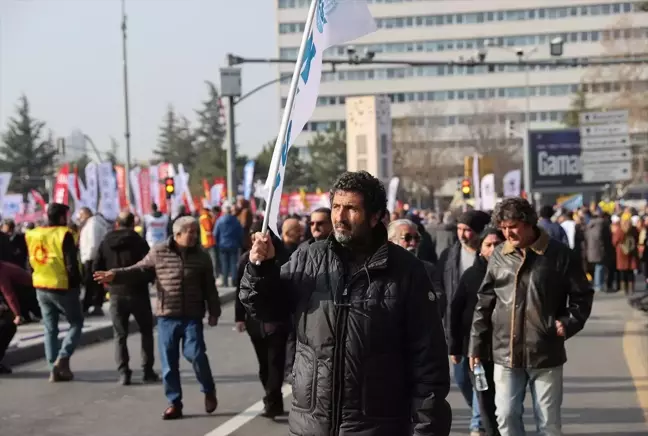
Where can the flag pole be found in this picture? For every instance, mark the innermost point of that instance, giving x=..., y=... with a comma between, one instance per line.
x=292, y=92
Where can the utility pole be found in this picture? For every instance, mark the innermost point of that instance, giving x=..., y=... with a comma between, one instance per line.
x=230, y=79
x=127, y=134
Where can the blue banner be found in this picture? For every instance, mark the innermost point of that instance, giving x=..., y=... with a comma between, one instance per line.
x=248, y=179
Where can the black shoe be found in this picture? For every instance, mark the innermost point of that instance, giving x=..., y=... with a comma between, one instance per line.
x=125, y=378
x=96, y=312
x=150, y=376
x=4, y=369
x=272, y=412
x=172, y=412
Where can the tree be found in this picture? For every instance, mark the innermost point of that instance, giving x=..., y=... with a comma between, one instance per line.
x=27, y=152
x=176, y=141
x=328, y=157
x=209, y=138
x=486, y=127
x=579, y=104
x=297, y=174
x=422, y=163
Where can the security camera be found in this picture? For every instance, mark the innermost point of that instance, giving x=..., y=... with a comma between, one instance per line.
x=369, y=54
x=519, y=52
x=351, y=50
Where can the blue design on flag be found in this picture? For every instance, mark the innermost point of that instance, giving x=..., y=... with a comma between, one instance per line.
x=309, y=55
x=284, y=153
x=321, y=16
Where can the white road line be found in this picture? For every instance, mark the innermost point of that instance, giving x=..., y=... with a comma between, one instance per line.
x=233, y=424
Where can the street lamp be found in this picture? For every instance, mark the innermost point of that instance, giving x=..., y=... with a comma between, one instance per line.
x=127, y=134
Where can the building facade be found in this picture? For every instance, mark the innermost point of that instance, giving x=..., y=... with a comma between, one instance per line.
x=447, y=102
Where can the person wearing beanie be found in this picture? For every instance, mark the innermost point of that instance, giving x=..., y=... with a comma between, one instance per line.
x=452, y=263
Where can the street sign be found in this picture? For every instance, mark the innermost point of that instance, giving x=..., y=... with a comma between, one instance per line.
x=604, y=130
x=614, y=155
x=607, y=172
x=230, y=79
x=606, y=153
x=609, y=117
x=605, y=142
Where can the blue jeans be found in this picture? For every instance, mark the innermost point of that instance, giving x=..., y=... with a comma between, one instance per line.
x=53, y=304
x=599, y=276
x=546, y=386
x=461, y=372
x=171, y=331
x=229, y=262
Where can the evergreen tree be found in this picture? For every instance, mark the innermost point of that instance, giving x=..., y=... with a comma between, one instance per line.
x=176, y=143
x=327, y=157
x=209, y=137
x=578, y=105
x=27, y=151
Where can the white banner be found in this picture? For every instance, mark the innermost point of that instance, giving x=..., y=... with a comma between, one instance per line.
x=72, y=189
x=134, y=178
x=12, y=205
x=475, y=177
x=91, y=191
x=155, y=184
x=181, y=180
x=488, y=196
x=392, y=192
x=5, y=179
x=329, y=23
x=109, y=200
x=215, y=194
x=512, y=183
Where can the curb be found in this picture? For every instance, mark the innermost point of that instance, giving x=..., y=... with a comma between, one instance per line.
x=32, y=352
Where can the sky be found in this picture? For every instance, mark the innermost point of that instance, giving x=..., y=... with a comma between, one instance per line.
x=66, y=57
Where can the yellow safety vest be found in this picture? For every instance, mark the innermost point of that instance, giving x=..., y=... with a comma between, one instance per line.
x=206, y=231
x=45, y=247
x=139, y=230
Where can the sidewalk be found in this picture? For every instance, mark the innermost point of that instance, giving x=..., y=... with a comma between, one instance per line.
x=27, y=345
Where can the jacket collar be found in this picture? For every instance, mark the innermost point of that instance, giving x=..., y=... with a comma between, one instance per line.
x=539, y=246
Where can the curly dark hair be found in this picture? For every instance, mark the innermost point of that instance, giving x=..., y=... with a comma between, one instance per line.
x=372, y=190
x=514, y=209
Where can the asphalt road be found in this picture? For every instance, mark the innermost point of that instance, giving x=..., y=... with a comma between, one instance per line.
x=603, y=394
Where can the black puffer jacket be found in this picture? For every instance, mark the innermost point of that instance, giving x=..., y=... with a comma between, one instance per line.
x=371, y=357
x=522, y=296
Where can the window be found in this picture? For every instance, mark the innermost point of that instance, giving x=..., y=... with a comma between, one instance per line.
x=361, y=145
x=384, y=167
x=384, y=144
x=362, y=165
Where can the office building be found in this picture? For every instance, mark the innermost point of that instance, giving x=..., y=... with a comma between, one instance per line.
x=446, y=102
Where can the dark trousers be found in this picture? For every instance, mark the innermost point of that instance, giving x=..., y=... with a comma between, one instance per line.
x=121, y=308
x=486, y=401
x=7, y=331
x=28, y=302
x=271, y=354
x=95, y=294
x=291, y=348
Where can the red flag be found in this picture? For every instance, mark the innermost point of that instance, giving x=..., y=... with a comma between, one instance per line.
x=77, y=189
x=61, y=188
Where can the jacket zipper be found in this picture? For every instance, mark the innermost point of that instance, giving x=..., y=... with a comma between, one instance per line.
x=341, y=318
x=515, y=286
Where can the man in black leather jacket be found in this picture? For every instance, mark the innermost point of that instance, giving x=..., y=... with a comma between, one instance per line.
x=534, y=297
x=371, y=356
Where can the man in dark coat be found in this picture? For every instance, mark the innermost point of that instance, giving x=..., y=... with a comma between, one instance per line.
x=371, y=356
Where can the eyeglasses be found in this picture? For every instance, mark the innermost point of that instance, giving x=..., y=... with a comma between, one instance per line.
x=408, y=237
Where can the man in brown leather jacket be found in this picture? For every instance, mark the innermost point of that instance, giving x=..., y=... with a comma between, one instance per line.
x=534, y=297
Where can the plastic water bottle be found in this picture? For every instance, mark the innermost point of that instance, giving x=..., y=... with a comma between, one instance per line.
x=481, y=384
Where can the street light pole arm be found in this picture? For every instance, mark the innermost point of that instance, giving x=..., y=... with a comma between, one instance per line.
x=259, y=88
x=94, y=147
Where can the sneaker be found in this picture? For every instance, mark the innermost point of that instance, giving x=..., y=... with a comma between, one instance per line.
x=61, y=371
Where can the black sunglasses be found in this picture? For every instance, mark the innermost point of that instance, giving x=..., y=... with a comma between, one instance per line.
x=408, y=237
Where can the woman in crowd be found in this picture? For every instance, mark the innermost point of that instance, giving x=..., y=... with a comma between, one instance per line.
x=625, y=241
x=462, y=308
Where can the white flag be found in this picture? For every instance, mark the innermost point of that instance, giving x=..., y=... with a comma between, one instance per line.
x=335, y=22
x=512, y=183
x=488, y=196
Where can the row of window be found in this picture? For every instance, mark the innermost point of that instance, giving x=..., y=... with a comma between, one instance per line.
x=294, y=4
x=435, y=71
x=475, y=43
x=493, y=93
x=449, y=120
x=487, y=17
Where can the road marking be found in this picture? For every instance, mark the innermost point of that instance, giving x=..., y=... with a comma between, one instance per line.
x=636, y=352
x=233, y=424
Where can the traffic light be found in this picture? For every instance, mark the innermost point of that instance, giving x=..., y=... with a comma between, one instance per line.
x=169, y=187
x=466, y=188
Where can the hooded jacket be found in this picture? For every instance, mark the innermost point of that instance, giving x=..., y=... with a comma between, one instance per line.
x=371, y=359
x=119, y=249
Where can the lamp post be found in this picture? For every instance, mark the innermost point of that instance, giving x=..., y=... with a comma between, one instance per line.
x=556, y=49
x=127, y=134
